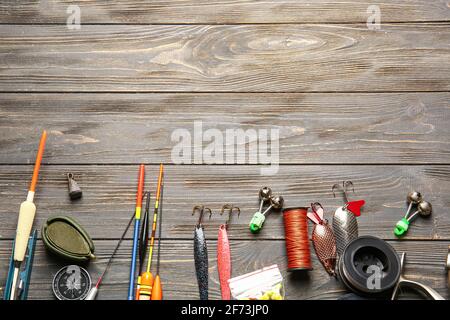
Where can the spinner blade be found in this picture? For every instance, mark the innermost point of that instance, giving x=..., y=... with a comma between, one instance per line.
x=325, y=246
x=345, y=228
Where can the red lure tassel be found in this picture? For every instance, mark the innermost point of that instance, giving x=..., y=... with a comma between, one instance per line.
x=355, y=207
x=224, y=261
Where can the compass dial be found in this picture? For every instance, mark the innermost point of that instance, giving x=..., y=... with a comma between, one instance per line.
x=71, y=283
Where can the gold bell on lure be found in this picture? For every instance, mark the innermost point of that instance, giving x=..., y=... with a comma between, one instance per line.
x=275, y=202
x=424, y=209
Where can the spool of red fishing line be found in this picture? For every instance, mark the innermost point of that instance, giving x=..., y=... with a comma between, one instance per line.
x=297, y=239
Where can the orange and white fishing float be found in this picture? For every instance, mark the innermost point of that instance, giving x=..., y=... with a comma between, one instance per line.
x=26, y=217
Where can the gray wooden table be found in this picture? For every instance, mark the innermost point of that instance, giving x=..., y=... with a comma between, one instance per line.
x=371, y=106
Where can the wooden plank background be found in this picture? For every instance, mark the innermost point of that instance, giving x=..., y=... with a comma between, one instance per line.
x=314, y=128
x=424, y=264
x=350, y=103
x=223, y=11
x=110, y=195
x=218, y=58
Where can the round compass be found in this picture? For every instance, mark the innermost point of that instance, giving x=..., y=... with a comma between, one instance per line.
x=71, y=283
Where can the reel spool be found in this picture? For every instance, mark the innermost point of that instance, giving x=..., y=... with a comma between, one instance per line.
x=369, y=266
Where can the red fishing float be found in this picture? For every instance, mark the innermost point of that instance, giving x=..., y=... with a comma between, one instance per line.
x=297, y=241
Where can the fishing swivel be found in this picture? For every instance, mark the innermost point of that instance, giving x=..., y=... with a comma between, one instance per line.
x=276, y=202
x=424, y=209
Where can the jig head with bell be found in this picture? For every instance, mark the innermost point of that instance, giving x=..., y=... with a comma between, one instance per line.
x=276, y=202
x=424, y=209
x=345, y=225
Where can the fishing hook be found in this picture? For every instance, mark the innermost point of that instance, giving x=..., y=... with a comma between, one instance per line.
x=201, y=209
x=345, y=185
x=314, y=208
x=230, y=209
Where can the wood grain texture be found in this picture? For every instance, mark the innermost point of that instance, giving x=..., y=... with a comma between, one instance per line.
x=313, y=128
x=350, y=103
x=109, y=195
x=223, y=11
x=231, y=58
x=425, y=263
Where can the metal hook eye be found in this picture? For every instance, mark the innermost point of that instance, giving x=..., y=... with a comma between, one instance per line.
x=315, y=206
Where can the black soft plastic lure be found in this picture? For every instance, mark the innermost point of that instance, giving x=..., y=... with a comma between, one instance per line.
x=201, y=261
x=201, y=254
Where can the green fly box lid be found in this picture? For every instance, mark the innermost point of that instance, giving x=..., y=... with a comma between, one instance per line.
x=66, y=238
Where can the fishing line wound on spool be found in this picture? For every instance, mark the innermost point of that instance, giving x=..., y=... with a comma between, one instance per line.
x=297, y=239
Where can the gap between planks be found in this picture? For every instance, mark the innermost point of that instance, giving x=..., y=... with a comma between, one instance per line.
x=435, y=22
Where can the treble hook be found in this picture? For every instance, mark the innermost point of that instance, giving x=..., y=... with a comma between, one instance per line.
x=201, y=209
x=345, y=185
x=230, y=209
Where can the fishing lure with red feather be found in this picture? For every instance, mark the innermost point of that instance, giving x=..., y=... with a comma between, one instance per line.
x=323, y=239
x=345, y=225
x=224, y=253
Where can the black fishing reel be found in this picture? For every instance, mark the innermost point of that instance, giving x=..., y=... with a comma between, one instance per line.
x=369, y=266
